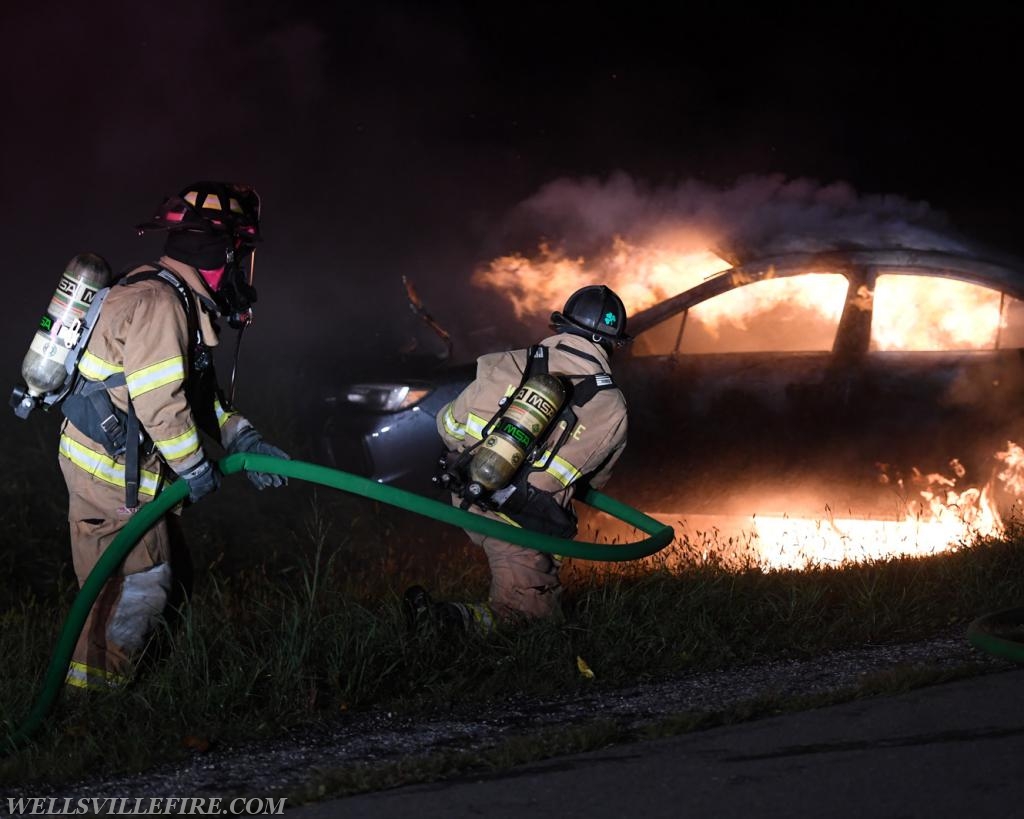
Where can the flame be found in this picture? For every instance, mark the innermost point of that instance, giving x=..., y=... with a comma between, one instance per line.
x=640, y=275
x=948, y=315
x=782, y=543
x=940, y=523
x=814, y=296
x=1012, y=475
x=937, y=518
x=814, y=291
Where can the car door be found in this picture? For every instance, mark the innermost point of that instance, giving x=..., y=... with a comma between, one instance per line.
x=725, y=396
x=942, y=384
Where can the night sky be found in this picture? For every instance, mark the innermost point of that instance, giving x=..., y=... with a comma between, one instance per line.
x=404, y=137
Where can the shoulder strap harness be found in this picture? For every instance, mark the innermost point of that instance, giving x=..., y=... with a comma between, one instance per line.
x=89, y=406
x=579, y=393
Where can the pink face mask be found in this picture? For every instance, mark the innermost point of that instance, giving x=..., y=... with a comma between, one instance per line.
x=213, y=277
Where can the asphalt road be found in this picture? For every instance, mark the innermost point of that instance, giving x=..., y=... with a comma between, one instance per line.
x=952, y=750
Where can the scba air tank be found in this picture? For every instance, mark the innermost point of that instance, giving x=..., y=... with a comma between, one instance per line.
x=45, y=365
x=533, y=409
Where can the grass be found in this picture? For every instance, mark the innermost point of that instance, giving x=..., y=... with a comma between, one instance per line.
x=259, y=652
x=296, y=620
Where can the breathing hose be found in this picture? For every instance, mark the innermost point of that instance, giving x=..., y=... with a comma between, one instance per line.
x=660, y=536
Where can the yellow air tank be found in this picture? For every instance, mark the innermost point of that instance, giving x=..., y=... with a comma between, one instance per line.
x=520, y=427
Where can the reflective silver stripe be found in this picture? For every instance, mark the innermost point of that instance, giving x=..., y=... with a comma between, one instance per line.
x=559, y=469
x=157, y=375
x=475, y=425
x=102, y=466
x=77, y=678
x=222, y=414
x=452, y=426
x=180, y=446
x=96, y=368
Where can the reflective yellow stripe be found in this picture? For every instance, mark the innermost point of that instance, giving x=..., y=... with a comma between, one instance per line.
x=96, y=368
x=451, y=425
x=222, y=414
x=483, y=616
x=156, y=375
x=102, y=466
x=81, y=675
x=180, y=446
x=559, y=468
x=507, y=519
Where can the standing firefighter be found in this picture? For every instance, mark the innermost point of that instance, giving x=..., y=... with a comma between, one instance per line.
x=534, y=425
x=147, y=387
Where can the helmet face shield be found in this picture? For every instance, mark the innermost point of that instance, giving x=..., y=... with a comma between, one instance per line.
x=246, y=225
x=236, y=294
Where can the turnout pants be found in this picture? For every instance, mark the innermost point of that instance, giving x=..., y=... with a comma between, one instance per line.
x=524, y=582
x=131, y=601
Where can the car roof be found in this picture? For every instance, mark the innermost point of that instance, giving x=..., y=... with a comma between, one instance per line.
x=985, y=267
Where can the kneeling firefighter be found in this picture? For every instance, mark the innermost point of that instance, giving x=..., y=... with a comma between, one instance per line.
x=533, y=426
x=145, y=389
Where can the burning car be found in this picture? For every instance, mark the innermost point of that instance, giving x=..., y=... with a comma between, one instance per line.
x=814, y=405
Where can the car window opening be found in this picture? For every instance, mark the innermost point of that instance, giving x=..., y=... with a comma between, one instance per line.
x=933, y=313
x=785, y=314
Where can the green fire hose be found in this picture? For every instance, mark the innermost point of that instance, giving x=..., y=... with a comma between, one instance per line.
x=659, y=537
x=1000, y=633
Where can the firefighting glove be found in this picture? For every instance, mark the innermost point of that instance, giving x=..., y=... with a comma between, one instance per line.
x=202, y=479
x=249, y=440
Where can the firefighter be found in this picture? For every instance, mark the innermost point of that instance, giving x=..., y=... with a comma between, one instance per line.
x=581, y=450
x=150, y=358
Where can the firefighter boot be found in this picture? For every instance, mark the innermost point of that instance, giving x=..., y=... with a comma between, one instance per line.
x=417, y=608
x=421, y=612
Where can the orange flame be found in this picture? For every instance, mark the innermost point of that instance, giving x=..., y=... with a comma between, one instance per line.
x=937, y=519
x=1012, y=475
x=641, y=276
x=947, y=315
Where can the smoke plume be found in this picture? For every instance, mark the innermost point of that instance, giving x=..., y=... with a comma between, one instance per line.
x=766, y=214
x=649, y=242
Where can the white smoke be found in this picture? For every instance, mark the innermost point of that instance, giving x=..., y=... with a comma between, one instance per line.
x=762, y=215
